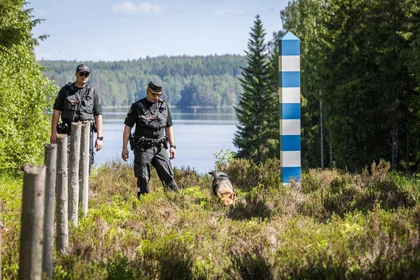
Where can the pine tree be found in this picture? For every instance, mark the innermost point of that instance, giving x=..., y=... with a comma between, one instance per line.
x=257, y=132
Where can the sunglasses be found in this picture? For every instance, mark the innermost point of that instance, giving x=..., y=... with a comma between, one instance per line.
x=81, y=74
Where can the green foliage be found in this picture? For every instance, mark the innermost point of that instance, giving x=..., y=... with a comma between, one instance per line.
x=25, y=94
x=10, y=207
x=319, y=228
x=223, y=158
x=120, y=268
x=247, y=175
x=173, y=254
x=257, y=111
x=343, y=193
x=14, y=25
x=359, y=73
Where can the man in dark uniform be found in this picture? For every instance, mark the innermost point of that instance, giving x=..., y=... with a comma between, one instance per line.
x=154, y=130
x=78, y=102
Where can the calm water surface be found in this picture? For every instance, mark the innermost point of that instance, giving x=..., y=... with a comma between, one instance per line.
x=199, y=134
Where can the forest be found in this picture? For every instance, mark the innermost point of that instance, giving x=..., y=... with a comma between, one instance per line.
x=360, y=78
x=187, y=80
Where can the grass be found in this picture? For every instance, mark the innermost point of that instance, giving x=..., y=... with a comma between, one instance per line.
x=331, y=225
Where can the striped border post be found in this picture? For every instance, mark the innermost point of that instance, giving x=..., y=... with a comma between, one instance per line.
x=289, y=93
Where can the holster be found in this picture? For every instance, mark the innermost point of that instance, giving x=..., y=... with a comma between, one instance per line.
x=62, y=128
x=131, y=140
x=93, y=127
x=165, y=142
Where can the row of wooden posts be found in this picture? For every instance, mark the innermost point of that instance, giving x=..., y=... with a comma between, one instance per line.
x=63, y=180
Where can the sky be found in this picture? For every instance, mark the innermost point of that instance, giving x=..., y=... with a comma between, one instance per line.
x=113, y=30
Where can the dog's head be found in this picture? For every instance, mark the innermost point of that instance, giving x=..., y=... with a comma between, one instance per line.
x=218, y=175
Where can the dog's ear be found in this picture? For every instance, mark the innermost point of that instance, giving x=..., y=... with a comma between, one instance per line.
x=212, y=173
x=224, y=166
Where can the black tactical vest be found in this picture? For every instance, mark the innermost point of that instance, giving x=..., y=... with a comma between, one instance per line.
x=151, y=123
x=77, y=108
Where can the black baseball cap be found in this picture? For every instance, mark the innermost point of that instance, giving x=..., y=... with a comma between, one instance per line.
x=154, y=87
x=82, y=68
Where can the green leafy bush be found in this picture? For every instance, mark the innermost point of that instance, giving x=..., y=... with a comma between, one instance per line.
x=26, y=95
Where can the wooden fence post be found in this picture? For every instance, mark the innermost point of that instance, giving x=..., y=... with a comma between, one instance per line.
x=74, y=173
x=62, y=237
x=30, y=255
x=84, y=166
x=50, y=161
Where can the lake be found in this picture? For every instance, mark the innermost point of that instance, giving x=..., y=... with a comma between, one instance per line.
x=199, y=134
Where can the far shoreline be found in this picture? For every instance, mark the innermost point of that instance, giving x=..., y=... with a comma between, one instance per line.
x=174, y=106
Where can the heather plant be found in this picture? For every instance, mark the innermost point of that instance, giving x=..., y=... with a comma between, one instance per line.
x=246, y=175
x=341, y=193
x=322, y=227
x=186, y=177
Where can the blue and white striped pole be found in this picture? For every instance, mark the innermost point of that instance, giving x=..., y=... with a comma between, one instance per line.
x=289, y=92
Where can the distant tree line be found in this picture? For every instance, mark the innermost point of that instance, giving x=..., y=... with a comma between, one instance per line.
x=188, y=80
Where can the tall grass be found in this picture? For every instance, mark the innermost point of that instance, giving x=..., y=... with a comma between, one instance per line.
x=331, y=225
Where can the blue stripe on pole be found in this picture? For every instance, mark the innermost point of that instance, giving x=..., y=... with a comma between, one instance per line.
x=289, y=47
x=290, y=111
x=289, y=79
x=288, y=173
x=290, y=143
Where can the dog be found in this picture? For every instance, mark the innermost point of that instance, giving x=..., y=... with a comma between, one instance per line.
x=223, y=188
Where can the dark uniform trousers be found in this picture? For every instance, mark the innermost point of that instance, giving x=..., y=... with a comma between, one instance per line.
x=158, y=157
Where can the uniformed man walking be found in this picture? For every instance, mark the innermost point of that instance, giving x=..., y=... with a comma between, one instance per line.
x=153, y=132
x=78, y=102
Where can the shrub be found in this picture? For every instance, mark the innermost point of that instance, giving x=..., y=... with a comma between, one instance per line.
x=318, y=228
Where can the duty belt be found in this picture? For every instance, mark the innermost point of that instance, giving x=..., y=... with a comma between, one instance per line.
x=143, y=142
